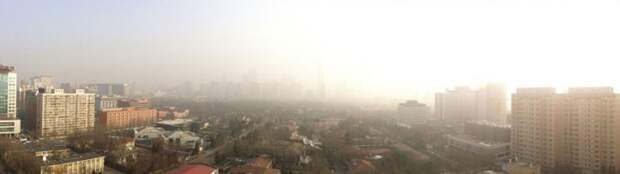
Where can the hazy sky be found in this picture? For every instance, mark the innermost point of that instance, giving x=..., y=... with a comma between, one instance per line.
x=375, y=46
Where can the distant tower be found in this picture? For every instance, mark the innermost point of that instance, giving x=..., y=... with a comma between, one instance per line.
x=321, y=79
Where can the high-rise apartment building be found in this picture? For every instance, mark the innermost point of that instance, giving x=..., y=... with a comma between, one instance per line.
x=464, y=104
x=577, y=129
x=60, y=114
x=111, y=89
x=492, y=103
x=414, y=112
x=460, y=105
x=9, y=124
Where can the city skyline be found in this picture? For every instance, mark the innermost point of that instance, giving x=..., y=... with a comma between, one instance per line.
x=404, y=51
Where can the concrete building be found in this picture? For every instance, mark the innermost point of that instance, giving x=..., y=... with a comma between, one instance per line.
x=576, y=129
x=22, y=92
x=103, y=103
x=263, y=164
x=10, y=127
x=413, y=111
x=485, y=151
x=74, y=163
x=488, y=131
x=111, y=89
x=137, y=103
x=60, y=114
x=56, y=157
x=126, y=117
x=176, y=124
x=518, y=167
x=196, y=168
x=42, y=82
x=9, y=124
x=492, y=103
x=464, y=104
x=458, y=105
x=184, y=139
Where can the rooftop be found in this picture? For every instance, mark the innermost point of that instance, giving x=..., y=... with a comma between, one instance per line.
x=45, y=146
x=253, y=170
x=73, y=157
x=488, y=123
x=261, y=161
x=6, y=68
x=478, y=143
x=412, y=103
x=175, y=121
x=194, y=169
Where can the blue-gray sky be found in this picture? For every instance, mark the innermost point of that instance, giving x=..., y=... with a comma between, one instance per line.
x=137, y=40
x=398, y=47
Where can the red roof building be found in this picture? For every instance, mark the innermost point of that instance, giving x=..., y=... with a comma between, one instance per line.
x=195, y=169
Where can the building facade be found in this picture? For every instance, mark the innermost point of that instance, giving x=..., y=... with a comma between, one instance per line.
x=63, y=114
x=489, y=152
x=488, y=131
x=464, y=104
x=42, y=82
x=111, y=89
x=575, y=129
x=127, y=117
x=103, y=103
x=516, y=167
x=459, y=105
x=414, y=112
x=75, y=164
x=9, y=124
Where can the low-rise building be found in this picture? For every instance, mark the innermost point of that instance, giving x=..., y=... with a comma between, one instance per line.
x=361, y=166
x=517, y=167
x=176, y=124
x=263, y=164
x=74, y=164
x=184, y=139
x=10, y=127
x=485, y=151
x=197, y=168
x=47, y=149
x=127, y=117
x=488, y=131
x=172, y=112
x=57, y=158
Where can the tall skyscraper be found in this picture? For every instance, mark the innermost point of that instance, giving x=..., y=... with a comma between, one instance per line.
x=577, y=129
x=61, y=114
x=9, y=124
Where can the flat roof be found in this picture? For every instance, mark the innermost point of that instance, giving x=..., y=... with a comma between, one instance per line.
x=45, y=146
x=73, y=157
x=175, y=121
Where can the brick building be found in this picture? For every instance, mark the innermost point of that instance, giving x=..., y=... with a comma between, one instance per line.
x=127, y=117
